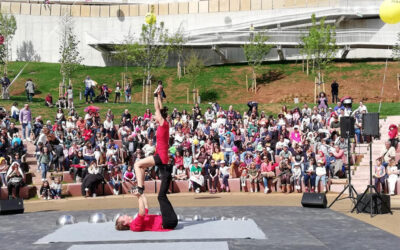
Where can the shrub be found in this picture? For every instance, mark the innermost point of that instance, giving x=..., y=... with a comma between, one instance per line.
x=210, y=95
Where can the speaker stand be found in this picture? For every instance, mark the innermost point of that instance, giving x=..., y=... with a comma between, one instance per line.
x=349, y=186
x=369, y=188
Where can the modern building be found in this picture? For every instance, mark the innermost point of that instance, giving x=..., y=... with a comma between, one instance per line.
x=215, y=28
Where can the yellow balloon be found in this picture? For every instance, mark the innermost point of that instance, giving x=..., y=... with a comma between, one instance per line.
x=150, y=18
x=389, y=11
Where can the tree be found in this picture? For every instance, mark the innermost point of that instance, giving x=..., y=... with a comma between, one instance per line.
x=396, y=49
x=255, y=51
x=319, y=45
x=176, y=42
x=195, y=66
x=8, y=26
x=150, y=52
x=69, y=54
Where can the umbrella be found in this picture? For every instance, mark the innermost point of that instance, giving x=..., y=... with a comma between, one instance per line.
x=91, y=108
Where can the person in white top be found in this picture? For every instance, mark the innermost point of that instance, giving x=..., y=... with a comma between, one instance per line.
x=149, y=149
x=387, y=153
x=109, y=126
x=321, y=175
x=15, y=111
x=70, y=97
x=393, y=174
x=362, y=108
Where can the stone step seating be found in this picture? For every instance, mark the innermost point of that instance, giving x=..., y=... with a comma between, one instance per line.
x=74, y=189
x=26, y=192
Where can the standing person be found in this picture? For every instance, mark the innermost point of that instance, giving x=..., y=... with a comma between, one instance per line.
x=88, y=89
x=30, y=89
x=5, y=82
x=393, y=175
x=117, y=93
x=128, y=93
x=160, y=159
x=25, y=118
x=70, y=97
x=335, y=91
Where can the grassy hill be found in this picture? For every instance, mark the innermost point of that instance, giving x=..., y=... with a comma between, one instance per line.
x=278, y=84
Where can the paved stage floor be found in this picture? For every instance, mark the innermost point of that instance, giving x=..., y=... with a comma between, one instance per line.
x=285, y=228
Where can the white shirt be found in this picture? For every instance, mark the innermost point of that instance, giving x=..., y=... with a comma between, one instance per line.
x=14, y=110
x=108, y=124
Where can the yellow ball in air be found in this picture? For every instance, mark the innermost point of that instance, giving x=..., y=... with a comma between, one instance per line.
x=389, y=11
x=150, y=18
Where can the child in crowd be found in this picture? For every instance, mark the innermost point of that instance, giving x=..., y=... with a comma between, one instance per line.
x=243, y=175
x=296, y=176
x=115, y=181
x=129, y=176
x=393, y=174
x=44, y=161
x=320, y=171
x=379, y=175
x=253, y=177
x=55, y=188
x=45, y=191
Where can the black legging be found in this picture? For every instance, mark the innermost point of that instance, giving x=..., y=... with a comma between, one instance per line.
x=169, y=218
x=17, y=185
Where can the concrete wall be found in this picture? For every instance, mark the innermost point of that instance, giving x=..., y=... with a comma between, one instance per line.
x=110, y=24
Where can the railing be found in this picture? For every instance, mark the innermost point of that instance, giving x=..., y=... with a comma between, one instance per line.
x=294, y=37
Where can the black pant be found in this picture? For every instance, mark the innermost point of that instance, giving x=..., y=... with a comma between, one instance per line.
x=335, y=97
x=17, y=185
x=169, y=218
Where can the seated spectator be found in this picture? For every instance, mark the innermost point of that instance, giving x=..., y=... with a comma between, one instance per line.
x=187, y=160
x=49, y=101
x=55, y=188
x=253, y=177
x=180, y=173
x=15, y=179
x=393, y=174
x=309, y=175
x=78, y=164
x=393, y=135
x=224, y=170
x=296, y=176
x=379, y=175
x=213, y=175
x=320, y=172
x=45, y=193
x=14, y=111
x=92, y=179
x=3, y=171
x=129, y=176
x=115, y=180
x=267, y=172
x=285, y=175
x=196, y=178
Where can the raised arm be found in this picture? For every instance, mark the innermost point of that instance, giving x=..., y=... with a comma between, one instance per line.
x=158, y=105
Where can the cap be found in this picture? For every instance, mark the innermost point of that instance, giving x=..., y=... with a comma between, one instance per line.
x=196, y=161
x=222, y=162
x=321, y=161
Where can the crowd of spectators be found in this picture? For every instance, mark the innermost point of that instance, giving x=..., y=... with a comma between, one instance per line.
x=299, y=147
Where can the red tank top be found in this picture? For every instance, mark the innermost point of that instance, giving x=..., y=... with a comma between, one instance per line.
x=162, y=142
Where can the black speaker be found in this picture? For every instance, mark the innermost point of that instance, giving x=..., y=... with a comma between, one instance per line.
x=314, y=200
x=364, y=205
x=370, y=124
x=347, y=126
x=15, y=206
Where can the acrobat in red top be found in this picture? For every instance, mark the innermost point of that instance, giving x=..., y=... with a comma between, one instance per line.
x=147, y=222
x=162, y=142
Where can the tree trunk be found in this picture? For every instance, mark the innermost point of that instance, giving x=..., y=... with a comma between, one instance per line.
x=308, y=70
